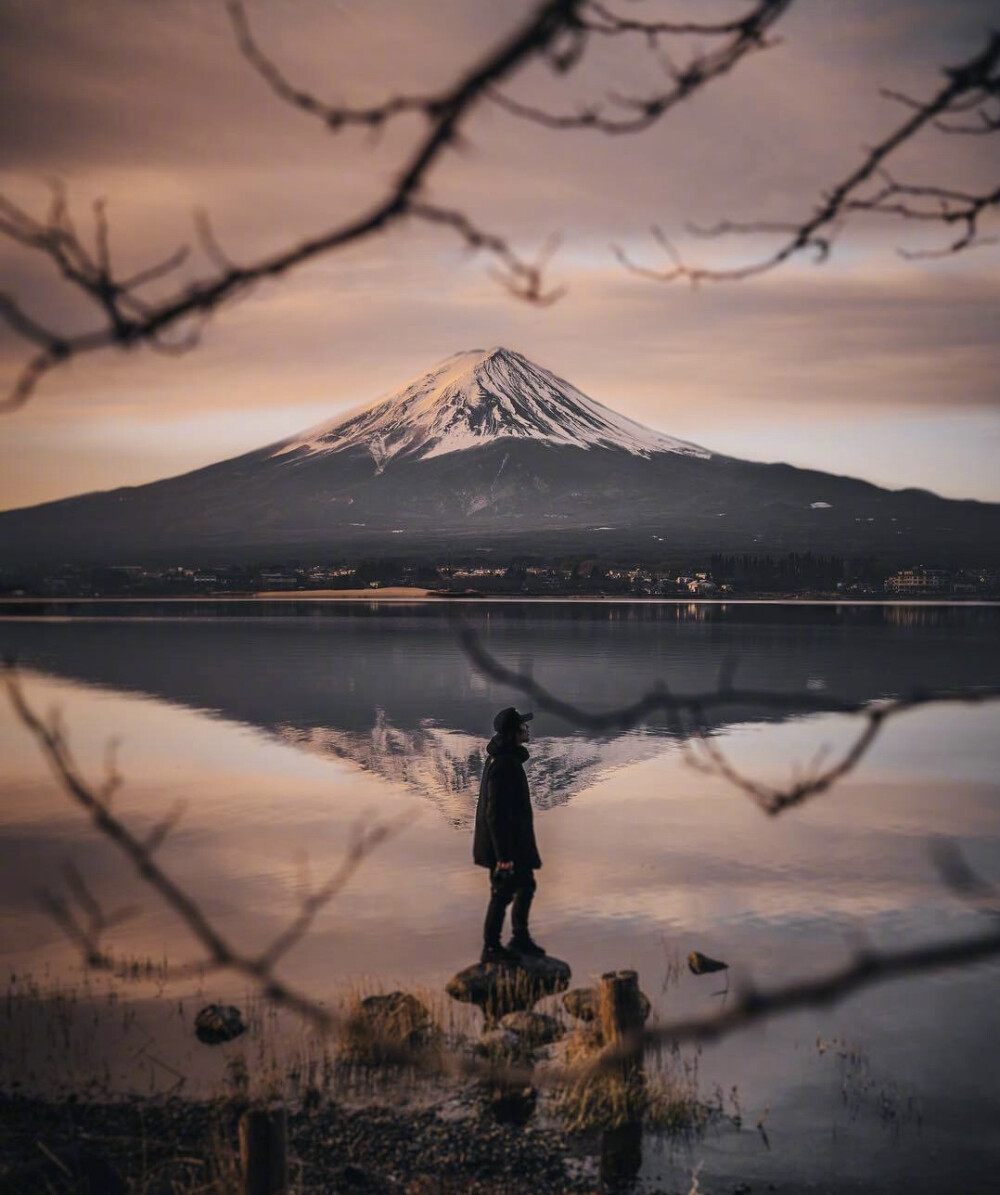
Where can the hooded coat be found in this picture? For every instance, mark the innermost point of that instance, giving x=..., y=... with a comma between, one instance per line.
x=505, y=827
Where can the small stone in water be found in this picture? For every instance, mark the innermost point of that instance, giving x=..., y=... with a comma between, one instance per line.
x=218, y=1023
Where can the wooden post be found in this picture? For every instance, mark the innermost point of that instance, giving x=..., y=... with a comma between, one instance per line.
x=262, y=1151
x=621, y=1019
x=621, y=1014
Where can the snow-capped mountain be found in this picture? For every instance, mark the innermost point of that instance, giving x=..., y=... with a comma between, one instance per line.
x=477, y=396
x=489, y=453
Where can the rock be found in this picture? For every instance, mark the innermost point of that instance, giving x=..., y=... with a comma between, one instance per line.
x=218, y=1023
x=701, y=964
x=382, y=1028
x=500, y=1045
x=351, y=1178
x=581, y=1003
x=500, y=988
x=534, y=1028
x=512, y=1105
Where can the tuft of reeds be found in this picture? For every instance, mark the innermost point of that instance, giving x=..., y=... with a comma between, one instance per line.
x=661, y=1091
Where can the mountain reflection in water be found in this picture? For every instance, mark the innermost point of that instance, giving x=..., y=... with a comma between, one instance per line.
x=390, y=690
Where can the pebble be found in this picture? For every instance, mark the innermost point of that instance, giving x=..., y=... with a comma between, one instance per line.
x=389, y=1151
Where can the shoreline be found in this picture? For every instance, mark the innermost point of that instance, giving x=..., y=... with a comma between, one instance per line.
x=399, y=594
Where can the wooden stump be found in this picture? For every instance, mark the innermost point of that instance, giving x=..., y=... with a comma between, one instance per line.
x=621, y=1011
x=621, y=1015
x=262, y=1151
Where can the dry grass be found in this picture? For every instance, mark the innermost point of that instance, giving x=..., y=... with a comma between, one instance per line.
x=662, y=1093
x=666, y=1099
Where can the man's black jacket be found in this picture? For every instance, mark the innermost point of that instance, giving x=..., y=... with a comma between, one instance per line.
x=504, y=824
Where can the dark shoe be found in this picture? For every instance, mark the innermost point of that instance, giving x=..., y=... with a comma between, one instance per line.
x=497, y=954
x=522, y=944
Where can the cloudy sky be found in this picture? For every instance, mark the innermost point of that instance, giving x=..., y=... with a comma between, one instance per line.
x=871, y=365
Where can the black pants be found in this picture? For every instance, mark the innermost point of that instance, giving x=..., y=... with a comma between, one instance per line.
x=506, y=887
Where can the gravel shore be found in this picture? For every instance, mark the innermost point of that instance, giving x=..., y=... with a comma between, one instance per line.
x=177, y=1146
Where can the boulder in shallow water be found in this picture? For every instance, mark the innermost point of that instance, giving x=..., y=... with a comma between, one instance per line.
x=384, y=1028
x=218, y=1023
x=702, y=964
x=500, y=988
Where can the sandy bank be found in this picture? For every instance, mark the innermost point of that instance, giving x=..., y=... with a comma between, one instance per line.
x=387, y=593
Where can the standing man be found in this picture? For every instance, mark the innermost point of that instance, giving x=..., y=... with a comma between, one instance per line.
x=504, y=840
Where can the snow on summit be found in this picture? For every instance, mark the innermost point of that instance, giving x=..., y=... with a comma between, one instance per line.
x=477, y=396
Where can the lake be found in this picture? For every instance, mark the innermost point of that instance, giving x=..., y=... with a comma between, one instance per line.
x=281, y=727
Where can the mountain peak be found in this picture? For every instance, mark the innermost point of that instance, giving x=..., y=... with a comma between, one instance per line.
x=472, y=398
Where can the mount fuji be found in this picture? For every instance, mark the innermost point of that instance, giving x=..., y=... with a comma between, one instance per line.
x=489, y=452
x=475, y=397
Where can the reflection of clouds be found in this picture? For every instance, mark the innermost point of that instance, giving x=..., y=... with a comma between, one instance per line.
x=657, y=860
x=654, y=848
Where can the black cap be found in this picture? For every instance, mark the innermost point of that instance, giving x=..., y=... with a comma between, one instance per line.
x=508, y=720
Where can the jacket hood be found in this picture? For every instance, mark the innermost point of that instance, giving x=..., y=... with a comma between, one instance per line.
x=498, y=745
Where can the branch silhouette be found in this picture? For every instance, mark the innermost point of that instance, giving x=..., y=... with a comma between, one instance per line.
x=972, y=85
x=687, y=711
x=746, y=35
x=559, y=34
x=128, y=319
x=86, y=928
x=866, y=969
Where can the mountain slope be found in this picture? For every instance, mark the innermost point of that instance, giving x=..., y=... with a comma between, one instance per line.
x=488, y=452
x=472, y=398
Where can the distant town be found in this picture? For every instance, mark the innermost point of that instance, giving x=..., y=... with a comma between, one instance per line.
x=802, y=575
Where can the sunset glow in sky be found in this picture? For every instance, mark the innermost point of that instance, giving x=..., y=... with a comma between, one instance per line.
x=872, y=364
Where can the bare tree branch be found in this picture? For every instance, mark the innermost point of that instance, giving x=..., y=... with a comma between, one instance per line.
x=615, y=25
x=775, y=800
x=521, y=278
x=747, y=34
x=127, y=321
x=689, y=709
x=866, y=969
x=365, y=841
x=334, y=116
x=558, y=33
x=938, y=205
x=973, y=82
x=220, y=952
x=961, y=879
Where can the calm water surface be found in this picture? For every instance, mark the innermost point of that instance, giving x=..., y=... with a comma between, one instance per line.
x=280, y=730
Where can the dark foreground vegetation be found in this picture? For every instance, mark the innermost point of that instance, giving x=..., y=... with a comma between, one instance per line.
x=183, y=1147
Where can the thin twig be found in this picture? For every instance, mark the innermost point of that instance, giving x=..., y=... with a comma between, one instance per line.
x=975, y=81
x=220, y=952
x=126, y=321
x=867, y=968
x=747, y=35
x=689, y=709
